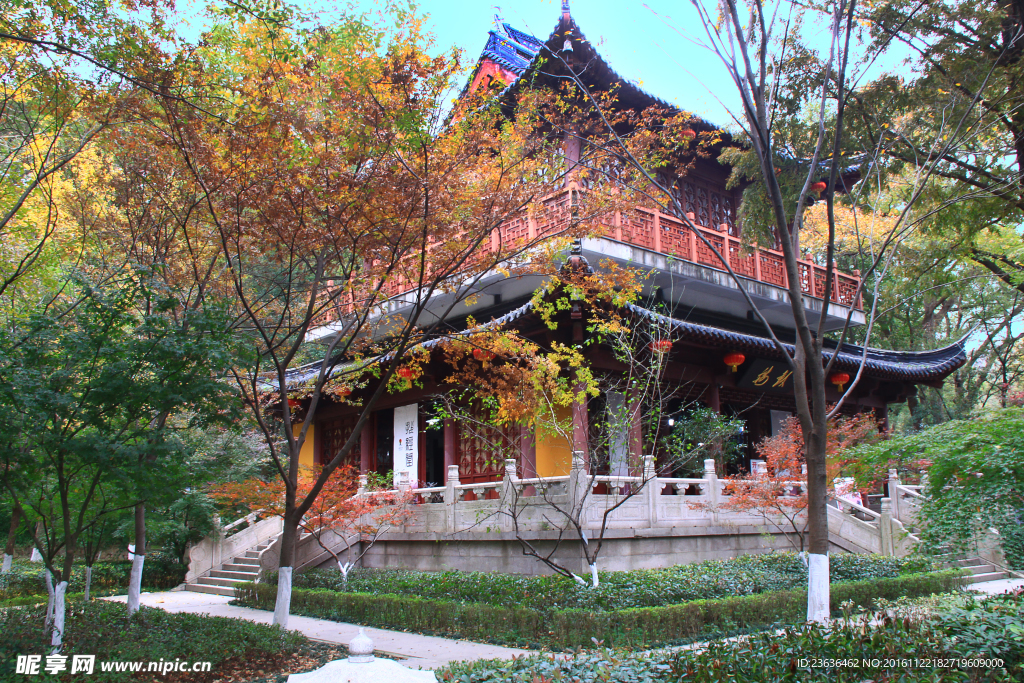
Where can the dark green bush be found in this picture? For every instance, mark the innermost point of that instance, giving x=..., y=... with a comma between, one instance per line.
x=746, y=575
x=104, y=629
x=159, y=572
x=898, y=646
x=580, y=628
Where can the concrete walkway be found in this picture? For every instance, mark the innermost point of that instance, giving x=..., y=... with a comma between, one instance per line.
x=996, y=587
x=413, y=650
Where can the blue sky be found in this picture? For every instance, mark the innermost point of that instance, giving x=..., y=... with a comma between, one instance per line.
x=637, y=39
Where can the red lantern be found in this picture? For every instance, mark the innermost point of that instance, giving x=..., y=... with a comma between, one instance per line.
x=818, y=187
x=344, y=391
x=688, y=134
x=661, y=346
x=734, y=360
x=405, y=372
x=839, y=379
x=294, y=403
x=483, y=355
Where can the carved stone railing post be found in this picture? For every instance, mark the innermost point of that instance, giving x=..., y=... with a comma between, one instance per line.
x=885, y=527
x=363, y=479
x=894, y=494
x=508, y=494
x=653, y=493
x=714, y=490
x=579, y=487
x=451, y=498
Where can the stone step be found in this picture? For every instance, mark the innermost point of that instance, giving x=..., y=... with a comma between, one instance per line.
x=983, y=568
x=989, y=576
x=206, y=588
x=235, y=567
x=253, y=554
x=217, y=581
x=237, y=576
x=246, y=560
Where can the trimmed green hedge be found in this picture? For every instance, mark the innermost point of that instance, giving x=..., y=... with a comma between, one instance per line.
x=579, y=628
x=846, y=651
x=158, y=572
x=744, y=575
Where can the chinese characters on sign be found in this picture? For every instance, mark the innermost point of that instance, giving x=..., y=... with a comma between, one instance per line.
x=767, y=375
x=407, y=442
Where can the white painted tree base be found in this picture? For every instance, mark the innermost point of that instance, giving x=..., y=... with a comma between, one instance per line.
x=818, y=602
x=7, y=564
x=377, y=671
x=59, y=611
x=36, y=556
x=283, y=604
x=135, y=584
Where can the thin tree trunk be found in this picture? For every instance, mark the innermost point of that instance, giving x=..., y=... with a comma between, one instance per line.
x=36, y=555
x=135, y=581
x=282, y=606
x=11, y=534
x=88, y=581
x=59, y=612
x=49, y=593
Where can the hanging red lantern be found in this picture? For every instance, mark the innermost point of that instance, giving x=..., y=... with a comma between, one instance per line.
x=661, y=346
x=839, y=379
x=688, y=134
x=294, y=403
x=818, y=187
x=734, y=360
x=405, y=372
x=483, y=355
x=344, y=391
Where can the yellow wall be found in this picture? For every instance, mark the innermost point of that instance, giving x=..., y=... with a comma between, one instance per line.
x=307, y=458
x=554, y=452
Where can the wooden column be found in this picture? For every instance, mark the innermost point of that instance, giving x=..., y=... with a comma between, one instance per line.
x=528, y=453
x=366, y=454
x=714, y=402
x=580, y=425
x=451, y=456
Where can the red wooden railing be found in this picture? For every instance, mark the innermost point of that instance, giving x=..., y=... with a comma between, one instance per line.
x=649, y=229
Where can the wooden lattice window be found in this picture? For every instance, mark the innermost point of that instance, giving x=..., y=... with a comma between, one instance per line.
x=483, y=448
x=333, y=436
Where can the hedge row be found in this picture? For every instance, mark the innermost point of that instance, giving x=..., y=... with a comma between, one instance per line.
x=708, y=580
x=845, y=651
x=27, y=578
x=580, y=628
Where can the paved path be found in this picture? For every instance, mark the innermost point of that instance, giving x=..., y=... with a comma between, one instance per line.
x=415, y=651
x=996, y=587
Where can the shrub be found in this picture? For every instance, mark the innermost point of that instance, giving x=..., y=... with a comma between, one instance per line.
x=570, y=628
x=160, y=572
x=746, y=575
x=897, y=645
x=104, y=629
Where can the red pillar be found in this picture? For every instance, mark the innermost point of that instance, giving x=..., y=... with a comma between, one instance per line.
x=366, y=463
x=450, y=447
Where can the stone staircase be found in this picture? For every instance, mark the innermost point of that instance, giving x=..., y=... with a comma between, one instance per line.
x=979, y=569
x=222, y=580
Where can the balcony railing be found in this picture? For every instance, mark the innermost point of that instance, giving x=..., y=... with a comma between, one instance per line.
x=650, y=229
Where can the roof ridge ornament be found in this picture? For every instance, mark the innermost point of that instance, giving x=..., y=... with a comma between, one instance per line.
x=566, y=14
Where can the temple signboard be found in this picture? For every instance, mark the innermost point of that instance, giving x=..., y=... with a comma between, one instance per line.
x=767, y=375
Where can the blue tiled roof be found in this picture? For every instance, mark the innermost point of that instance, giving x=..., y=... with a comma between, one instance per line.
x=510, y=48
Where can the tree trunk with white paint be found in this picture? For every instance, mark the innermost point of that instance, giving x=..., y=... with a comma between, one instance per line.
x=11, y=533
x=49, y=593
x=284, y=596
x=818, y=598
x=8, y=558
x=88, y=582
x=135, y=580
x=59, y=612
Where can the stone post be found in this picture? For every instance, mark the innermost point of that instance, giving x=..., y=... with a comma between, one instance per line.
x=652, y=494
x=362, y=484
x=714, y=491
x=579, y=487
x=885, y=527
x=894, y=494
x=451, y=498
x=508, y=494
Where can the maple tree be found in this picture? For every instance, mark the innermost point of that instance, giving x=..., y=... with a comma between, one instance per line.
x=778, y=493
x=343, y=508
